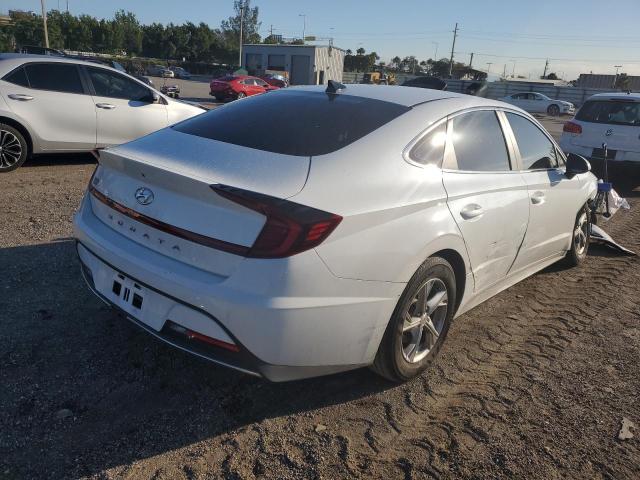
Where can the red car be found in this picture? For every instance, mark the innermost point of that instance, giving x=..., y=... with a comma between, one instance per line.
x=238, y=86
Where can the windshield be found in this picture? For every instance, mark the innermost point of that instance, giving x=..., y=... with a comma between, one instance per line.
x=617, y=112
x=301, y=123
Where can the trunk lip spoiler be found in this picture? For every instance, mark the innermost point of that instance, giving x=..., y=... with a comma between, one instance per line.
x=194, y=237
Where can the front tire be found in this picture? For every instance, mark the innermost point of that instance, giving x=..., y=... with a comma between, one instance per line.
x=580, y=237
x=553, y=110
x=241, y=95
x=13, y=148
x=419, y=323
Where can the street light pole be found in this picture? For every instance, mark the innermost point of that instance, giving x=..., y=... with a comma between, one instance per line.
x=240, y=49
x=44, y=22
x=304, y=25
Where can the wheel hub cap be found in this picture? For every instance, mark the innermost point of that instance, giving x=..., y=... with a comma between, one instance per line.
x=10, y=149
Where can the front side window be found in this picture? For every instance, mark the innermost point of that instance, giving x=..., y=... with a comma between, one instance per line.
x=430, y=149
x=114, y=85
x=58, y=77
x=17, y=77
x=536, y=150
x=478, y=142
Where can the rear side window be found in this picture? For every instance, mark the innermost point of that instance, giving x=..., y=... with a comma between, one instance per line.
x=59, y=77
x=18, y=77
x=536, y=150
x=294, y=122
x=478, y=142
x=113, y=85
x=619, y=112
x=430, y=149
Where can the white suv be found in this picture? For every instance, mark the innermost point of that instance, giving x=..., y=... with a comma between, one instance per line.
x=52, y=105
x=611, y=118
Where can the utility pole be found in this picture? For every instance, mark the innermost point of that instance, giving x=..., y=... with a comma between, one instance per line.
x=453, y=46
x=304, y=25
x=489, y=67
x=513, y=72
x=615, y=79
x=471, y=61
x=241, y=22
x=546, y=65
x=504, y=71
x=271, y=31
x=67, y=6
x=435, y=55
x=44, y=22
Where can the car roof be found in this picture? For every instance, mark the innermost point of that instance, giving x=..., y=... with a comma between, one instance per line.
x=633, y=96
x=8, y=61
x=406, y=96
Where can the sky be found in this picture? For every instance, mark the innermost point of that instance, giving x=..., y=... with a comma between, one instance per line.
x=516, y=36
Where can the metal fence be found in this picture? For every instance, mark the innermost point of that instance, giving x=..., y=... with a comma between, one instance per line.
x=496, y=90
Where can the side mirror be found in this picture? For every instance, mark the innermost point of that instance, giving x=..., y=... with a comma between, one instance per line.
x=577, y=164
x=155, y=98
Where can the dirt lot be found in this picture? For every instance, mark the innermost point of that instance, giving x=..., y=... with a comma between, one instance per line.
x=533, y=383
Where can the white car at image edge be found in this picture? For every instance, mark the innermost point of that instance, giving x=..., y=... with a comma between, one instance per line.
x=534, y=102
x=311, y=247
x=55, y=105
x=606, y=118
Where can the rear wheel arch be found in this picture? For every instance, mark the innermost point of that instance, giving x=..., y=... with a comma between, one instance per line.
x=25, y=133
x=459, y=269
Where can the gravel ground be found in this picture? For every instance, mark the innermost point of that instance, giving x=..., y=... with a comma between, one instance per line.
x=534, y=383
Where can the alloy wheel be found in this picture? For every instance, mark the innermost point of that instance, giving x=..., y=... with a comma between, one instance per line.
x=424, y=320
x=10, y=149
x=580, y=234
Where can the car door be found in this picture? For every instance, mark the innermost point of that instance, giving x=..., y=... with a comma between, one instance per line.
x=125, y=108
x=487, y=198
x=51, y=98
x=554, y=200
x=539, y=104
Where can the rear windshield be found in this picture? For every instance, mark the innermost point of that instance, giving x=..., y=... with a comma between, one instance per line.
x=619, y=112
x=294, y=122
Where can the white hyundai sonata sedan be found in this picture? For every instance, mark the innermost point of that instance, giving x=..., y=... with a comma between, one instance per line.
x=348, y=233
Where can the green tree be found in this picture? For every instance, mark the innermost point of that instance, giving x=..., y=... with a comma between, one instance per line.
x=360, y=51
x=230, y=28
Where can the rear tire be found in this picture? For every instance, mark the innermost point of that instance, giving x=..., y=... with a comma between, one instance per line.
x=13, y=148
x=553, y=110
x=411, y=341
x=241, y=95
x=580, y=237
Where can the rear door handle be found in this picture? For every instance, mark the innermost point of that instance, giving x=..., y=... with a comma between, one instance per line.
x=20, y=97
x=537, y=198
x=106, y=106
x=472, y=210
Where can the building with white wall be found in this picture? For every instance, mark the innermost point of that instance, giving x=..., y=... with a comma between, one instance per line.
x=305, y=64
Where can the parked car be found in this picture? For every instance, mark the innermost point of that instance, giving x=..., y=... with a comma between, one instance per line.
x=144, y=79
x=156, y=70
x=433, y=83
x=275, y=80
x=180, y=72
x=350, y=235
x=538, y=103
x=167, y=73
x=233, y=87
x=55, y=104
x=611, y=118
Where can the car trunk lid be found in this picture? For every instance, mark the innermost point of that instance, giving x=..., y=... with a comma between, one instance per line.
x=161, y=189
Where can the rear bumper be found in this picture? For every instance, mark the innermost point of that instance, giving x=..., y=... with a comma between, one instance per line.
x=290, y=318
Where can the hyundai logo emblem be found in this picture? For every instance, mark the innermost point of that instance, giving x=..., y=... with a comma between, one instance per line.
x=144, y=196
x=609, y=132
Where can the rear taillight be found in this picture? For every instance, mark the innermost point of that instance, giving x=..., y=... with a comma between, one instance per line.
x=290, y=228
x=571, y=127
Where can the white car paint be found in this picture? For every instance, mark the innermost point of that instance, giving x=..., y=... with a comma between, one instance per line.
x=59, y=121
x=534, y=102
x=621, y=137
x=326, y=308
